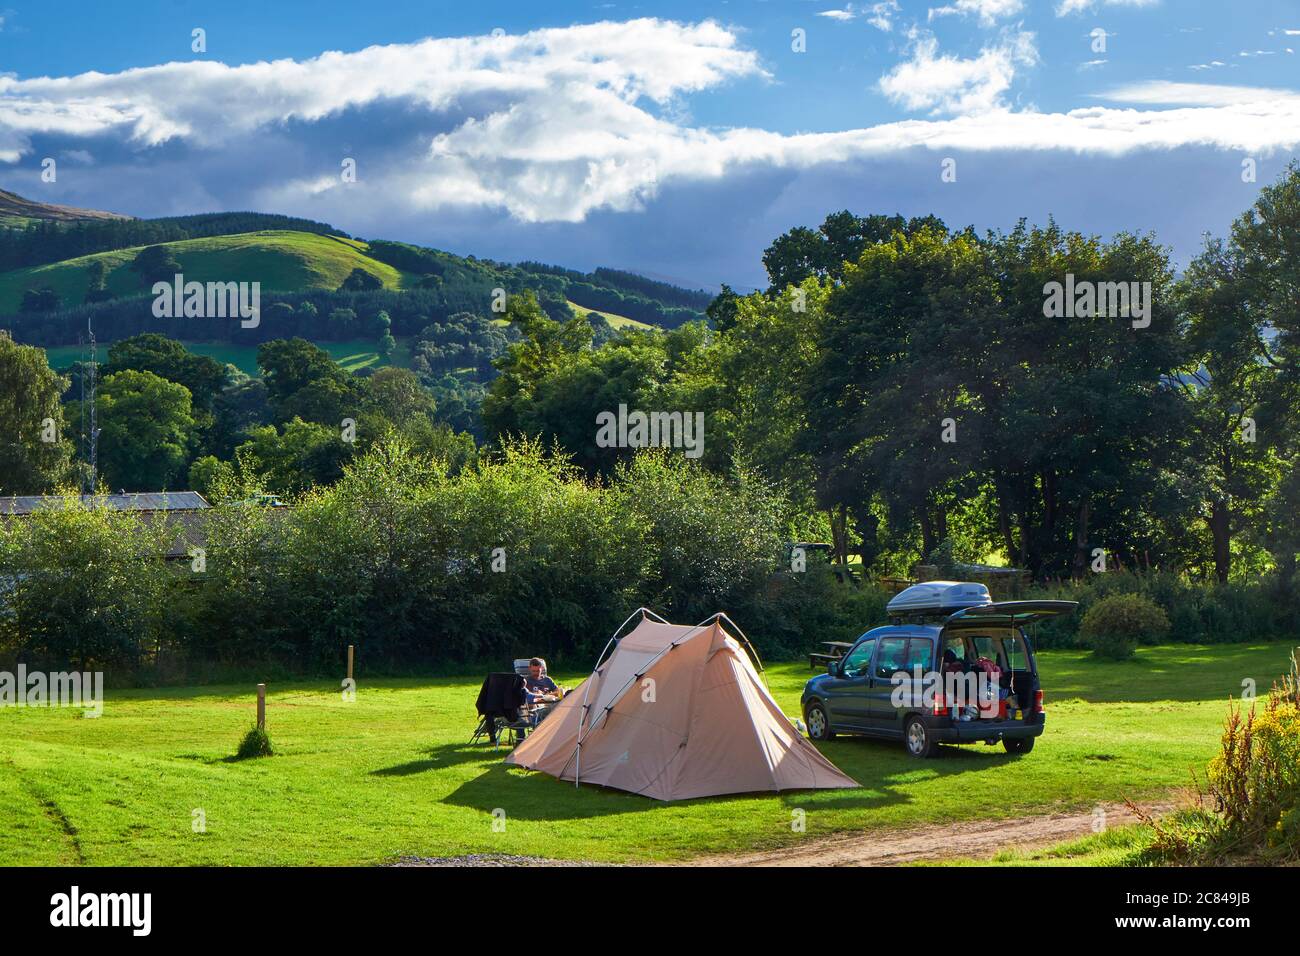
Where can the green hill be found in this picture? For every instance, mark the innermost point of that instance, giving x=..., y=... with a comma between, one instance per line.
x=615, y=321
x=282, y=261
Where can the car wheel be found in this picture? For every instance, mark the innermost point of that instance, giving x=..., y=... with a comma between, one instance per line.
x=917, y=738
x=1021, y=745
x=819, y=725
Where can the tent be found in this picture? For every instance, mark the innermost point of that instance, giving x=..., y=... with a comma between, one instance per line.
x=675, y=712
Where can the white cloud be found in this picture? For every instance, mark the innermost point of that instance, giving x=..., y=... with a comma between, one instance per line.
x=988, y=11
x=1165, y=93
x=557, y=124
x=879, y=15
x=1067, y=7
x=203, y=100
x=949, y=84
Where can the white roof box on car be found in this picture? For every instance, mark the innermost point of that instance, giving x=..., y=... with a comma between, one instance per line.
x=937, y=597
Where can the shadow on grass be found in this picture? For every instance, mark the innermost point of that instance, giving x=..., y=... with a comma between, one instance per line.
x=442, y=757
x=876, y=766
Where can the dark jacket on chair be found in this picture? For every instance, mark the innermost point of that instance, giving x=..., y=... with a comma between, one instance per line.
x=501, y=696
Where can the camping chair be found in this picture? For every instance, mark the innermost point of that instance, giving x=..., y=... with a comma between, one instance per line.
x=498, y=704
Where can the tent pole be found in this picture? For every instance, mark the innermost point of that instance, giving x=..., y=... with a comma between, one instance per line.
x=753, y=653
x=644, y=670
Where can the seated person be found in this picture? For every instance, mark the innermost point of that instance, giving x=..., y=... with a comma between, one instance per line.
x=537, y=683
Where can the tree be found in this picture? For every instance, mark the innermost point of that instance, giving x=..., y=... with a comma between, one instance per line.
x=204, y=376
x=1265, y=249
x=29, y=415
x=278, y=315
x=147, y=430
x=342, y=323
x=209, y=474
x=97, y=282
x=380, y=325
x=1084, y=421
x=291, y=364
x=892, y=382
x=242, y=405
x=303, y=455
x=87, y=587
x=359, y=280
x=544, y=346
x=40, y=300
x=750, y=382
x=155, y=264
x=396, y=393
x=326, y=401
x=804, y=253
x=1234, y=455
x=722, y=310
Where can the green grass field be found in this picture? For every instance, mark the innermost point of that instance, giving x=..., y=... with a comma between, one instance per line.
x=352, y=355
x=615, y=321
x=281, y=260
x=393, y=774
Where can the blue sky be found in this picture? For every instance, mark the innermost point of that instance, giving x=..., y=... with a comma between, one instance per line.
x=673, y=138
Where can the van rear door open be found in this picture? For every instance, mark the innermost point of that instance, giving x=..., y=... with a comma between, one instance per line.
x=1008, y=613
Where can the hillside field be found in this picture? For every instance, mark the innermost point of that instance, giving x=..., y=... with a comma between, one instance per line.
x=352, y=355
x=282, y=261
x=393, y=773
x=615, y=321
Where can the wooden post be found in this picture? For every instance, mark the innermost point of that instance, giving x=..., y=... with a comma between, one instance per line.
x=351, y=648
x=261, y=707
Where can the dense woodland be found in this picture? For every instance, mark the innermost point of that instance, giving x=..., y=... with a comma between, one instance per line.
x=898, y=391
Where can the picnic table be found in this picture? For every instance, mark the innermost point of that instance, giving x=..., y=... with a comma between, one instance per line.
x=834, y=651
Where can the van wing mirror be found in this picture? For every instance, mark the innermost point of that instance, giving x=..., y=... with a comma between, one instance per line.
x=833, y=668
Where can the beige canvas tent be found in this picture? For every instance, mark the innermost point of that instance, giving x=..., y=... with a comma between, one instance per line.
x=676, y=712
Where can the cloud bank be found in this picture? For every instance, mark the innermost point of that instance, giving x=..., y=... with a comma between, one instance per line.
x=558, y=125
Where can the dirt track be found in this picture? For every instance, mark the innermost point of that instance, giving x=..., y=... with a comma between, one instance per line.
x=977, y=839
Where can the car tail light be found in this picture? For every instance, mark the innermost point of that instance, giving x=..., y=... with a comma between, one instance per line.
x=1038, y=702
x=940, y=707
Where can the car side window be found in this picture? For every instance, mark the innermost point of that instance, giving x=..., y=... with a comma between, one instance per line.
x=859, y=659
x=1017, y=655
x=893, y=655
x=954, y=652
x=987, y=647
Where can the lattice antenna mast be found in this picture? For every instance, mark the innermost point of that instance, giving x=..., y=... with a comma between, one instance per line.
x=91, y=378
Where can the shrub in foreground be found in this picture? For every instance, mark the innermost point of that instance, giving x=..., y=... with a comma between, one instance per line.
x=1116, y=625
x=1249, y=808
x=256, y=743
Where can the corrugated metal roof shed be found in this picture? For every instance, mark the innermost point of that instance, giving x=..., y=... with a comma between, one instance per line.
x=143, y=501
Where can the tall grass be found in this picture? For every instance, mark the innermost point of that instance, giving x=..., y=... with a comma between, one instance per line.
x=1249, y=806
